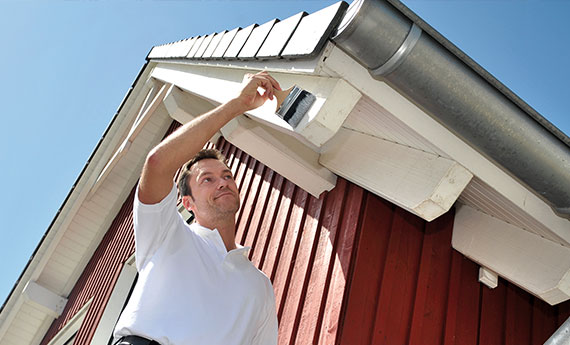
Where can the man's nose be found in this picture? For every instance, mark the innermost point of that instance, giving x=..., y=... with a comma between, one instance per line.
x=222, y=183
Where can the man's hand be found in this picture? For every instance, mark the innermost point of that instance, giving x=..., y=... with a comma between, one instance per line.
x=249, y=97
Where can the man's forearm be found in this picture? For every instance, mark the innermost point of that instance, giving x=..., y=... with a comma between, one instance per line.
x=164, y=160
x=179, y=147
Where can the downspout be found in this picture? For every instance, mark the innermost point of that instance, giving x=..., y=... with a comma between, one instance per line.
x=398, y=51
x=561, y=336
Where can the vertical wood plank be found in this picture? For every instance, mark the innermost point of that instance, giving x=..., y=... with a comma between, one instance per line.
x=432, y=288
x=492, y=326
x=395, y=304
x=518, y=320
x=248, y=202
x=462, y=319
x=260, y=207
x=313, y=308
x=275, y=245
x=268, y=222
x=288, y=250
x=544, y=320
x=369, y=265
x=300, y=275
x=343, y=252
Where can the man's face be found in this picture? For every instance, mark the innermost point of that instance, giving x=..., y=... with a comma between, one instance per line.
x=214, y=190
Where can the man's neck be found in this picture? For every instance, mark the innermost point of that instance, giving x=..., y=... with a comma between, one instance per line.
x=226, y=229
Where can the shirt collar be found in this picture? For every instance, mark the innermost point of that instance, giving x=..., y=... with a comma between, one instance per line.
x=208, y=233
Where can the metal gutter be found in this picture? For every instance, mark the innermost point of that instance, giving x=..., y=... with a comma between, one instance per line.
x=402, y=50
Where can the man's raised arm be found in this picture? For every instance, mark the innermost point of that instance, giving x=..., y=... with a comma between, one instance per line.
x=179, y=147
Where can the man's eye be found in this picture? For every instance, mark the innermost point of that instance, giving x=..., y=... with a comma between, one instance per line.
x=227, y=177
x=207, y=179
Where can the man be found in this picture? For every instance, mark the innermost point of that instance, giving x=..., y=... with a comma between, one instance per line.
x=196, y=285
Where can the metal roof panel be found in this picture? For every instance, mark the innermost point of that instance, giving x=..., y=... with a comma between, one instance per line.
x=213, y=45
x=255, y=40
x=238, y=42
x=225, y=43
x=195, y=47
x=279, y=36
x=205, y=43
x=313, y=30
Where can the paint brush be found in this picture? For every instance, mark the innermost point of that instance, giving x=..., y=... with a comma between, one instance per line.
x=293, y=104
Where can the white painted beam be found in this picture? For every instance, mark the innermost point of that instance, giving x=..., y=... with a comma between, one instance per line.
x=334, y=97
x=420, y=182
x=183, y=107
x=44, y=299
x=338, y=64
x=282, y=153
x=536, y=264
x=141, y=120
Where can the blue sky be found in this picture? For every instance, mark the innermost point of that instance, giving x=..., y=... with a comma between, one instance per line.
x=68, y=64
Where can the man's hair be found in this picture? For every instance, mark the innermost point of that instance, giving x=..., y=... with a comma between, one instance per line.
x=183, y=185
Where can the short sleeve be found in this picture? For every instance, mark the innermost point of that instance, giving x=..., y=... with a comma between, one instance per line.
x=153, y=223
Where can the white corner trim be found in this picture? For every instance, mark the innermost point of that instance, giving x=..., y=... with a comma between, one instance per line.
x=44, y=299
x=420, y=182
x=71, y=326
x=537, y=265
x=488, y=277
x=115, y=304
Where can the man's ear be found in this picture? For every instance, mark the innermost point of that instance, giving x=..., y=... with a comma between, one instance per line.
x=188, y=202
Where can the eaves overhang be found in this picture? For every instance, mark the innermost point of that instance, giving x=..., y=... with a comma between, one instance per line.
x=410, y=56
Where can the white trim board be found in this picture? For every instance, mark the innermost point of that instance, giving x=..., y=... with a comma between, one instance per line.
x=537, y=265
x=423, y=183
x=334, y=98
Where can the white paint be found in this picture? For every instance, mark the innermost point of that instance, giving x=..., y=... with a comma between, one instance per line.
x=420, y=182
x=537, y=265
x=44, y=299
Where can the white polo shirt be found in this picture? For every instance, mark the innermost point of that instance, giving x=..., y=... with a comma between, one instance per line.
x=191, y=290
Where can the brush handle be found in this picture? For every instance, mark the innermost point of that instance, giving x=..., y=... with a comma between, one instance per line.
x=281, y=95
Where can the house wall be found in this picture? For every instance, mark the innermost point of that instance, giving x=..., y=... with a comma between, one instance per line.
x=347, y=268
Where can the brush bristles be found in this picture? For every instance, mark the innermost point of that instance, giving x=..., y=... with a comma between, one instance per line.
x=295, y=106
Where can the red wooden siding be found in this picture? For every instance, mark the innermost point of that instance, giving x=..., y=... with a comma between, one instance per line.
x=98, y=279
x=347, y=268
x=408, y=286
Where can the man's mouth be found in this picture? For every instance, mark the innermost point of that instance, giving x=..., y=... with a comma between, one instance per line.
x=224, y=194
